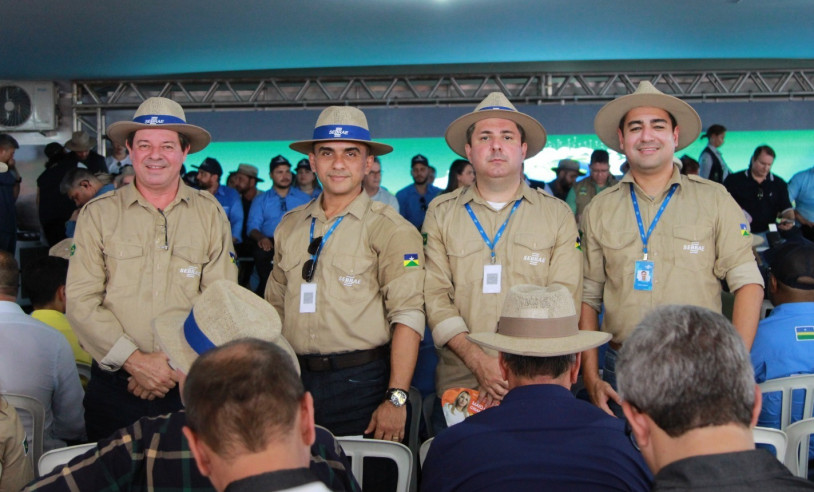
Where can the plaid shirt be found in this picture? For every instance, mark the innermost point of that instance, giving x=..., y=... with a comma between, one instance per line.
x=153, y=455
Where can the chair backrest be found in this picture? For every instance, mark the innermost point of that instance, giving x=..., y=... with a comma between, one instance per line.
x=56, y=457
x=358, y=449
x=428, y=407
x=425, y=448
x=773, y=437
x=33, y=407
x=797, y=454
x=786, y=387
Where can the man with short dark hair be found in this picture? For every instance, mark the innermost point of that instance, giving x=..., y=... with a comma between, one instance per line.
x=648, y=242
x=144, y=251
x=761, y=193
x=415, y=198
x=691, y=400
x=266, y=212
x=9, y=189
x=599, y=178
x=81, y=186
x=540, y=437
x=209, y=173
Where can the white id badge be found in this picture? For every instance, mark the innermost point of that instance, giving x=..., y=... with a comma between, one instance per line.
x=308, y=298
x=491, y=279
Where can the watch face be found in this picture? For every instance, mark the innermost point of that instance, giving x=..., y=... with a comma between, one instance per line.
x=398, y=397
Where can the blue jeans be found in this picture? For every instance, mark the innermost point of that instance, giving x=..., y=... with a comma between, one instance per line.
x=609, y=376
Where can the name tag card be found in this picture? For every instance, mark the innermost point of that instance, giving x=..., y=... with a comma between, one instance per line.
x=644, y=275
x=491, y=279
x=308, y=298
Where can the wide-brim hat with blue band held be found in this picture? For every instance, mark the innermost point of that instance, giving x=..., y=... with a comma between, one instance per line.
x=539, y=322
x=496, y=105
x=341, y=123
x=224, y=312
x=160, y=113
x=607, y=119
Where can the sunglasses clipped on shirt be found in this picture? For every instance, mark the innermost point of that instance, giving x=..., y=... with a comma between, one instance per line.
x=310, y=266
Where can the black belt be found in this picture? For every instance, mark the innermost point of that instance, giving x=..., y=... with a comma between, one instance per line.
x=345, y=360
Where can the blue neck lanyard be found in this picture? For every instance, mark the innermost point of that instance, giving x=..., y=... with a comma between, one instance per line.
x=493, y=242
x=327, y=235
x=646, y=237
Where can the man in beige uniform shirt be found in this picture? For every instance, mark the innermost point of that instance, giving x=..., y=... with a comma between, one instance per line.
x=468, y=275
x=659, y=237
x=146, y=250
x=347, y=280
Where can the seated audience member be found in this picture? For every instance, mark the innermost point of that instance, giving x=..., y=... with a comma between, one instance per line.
x=249, y=444
x=81, y=186
x=540, y=437
x=44, y=282
x=36, y=360
x=688, y=165
x=152, y=453
x=15, y=464
x=783, y=345
x=461, y=173
x=762, y=194
x=801, y=192
x=690, y=397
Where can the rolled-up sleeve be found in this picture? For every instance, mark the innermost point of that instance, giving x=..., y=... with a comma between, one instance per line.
x=734, y=259
x=402, y=280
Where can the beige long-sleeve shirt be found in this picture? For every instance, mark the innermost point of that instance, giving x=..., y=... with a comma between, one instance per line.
x=132, y=262
x=539, y=246
x=14, y=460
x=701, y=238
x=365, y=282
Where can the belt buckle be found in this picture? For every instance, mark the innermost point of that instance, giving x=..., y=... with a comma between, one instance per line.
x=324, y=363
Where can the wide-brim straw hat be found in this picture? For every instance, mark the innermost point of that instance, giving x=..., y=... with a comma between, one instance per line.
x=341, y=123
x=568, y=165
x=224, y=312
x=607, y=119
x=250, y=171
x=539, y=322
x=160, y=113
x=79, y=142
x=496, y=105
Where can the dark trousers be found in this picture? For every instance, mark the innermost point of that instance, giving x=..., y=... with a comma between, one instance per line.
x=263, y=264
x=808, y=232
x=8, y=242
x=109, y=406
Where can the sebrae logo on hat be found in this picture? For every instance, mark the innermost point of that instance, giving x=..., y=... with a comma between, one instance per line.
x=338, y=132
x=155, y=120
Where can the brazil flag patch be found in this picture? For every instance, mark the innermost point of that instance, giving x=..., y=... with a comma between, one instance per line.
x=411, y=260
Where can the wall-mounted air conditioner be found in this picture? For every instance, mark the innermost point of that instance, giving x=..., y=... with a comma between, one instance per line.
x=27, y=106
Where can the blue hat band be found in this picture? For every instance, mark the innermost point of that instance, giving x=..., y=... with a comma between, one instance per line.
x=504, y=108
x=341, y=132
x=196, y=339
x=158, y=119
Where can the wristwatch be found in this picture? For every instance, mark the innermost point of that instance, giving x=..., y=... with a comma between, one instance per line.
x=398, y=397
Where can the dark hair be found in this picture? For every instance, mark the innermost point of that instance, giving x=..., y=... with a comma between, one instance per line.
x=529, y=367
x=42, y=277
x=714, y=130
x=7, y=140
x=9, y=274
x=689, y=164
x=600, y=155
x=672, y=119
x=242, y=395
x=455, y=169
x=181, y=138
x=471, y=130
x=761, y=149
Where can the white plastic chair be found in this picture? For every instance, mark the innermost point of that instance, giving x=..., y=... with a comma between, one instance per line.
x=786, y=386
x=425, y=448
x=358, y=449
x=33, y=407
x=773, y=437
x=797, y=448
x=52, y=459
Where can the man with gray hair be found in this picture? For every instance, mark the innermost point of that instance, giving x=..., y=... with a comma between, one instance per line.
x=81, y=186
x=689, y=394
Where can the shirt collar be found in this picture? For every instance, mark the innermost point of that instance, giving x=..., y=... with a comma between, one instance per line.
x=471, y=194
x=131, y=195
x=9, y=307
x=674, y=179
x=357, y=208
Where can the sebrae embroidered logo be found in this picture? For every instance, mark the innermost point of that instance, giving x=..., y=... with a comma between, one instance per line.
x=349, y=280
x=534, y=259
x=190, y=271
x=694, y=248
x=338, y=132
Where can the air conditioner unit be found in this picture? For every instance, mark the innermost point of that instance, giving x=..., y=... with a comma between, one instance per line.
x=27, y=106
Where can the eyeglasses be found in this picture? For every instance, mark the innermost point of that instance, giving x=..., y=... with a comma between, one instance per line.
x=310, y=266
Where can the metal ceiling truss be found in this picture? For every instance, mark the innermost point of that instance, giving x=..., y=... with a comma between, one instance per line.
x=92, y=99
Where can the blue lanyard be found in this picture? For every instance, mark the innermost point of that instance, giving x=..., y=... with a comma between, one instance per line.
x=315, y=256
x=492, y=243
x=646, y=237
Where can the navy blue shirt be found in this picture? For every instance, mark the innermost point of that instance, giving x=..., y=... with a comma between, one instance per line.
x=539, y=438
x=413, y=206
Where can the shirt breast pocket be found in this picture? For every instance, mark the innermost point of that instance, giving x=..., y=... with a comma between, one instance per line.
x=124, y=263
x=534, y=253
x=693, y=248
x=187, y=266
x=621, y=250
x=350, y=278
x=466, y=260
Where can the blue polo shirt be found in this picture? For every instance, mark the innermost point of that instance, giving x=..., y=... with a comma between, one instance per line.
x=229, y=199
x=783, y=347
x=70, y=226
x=268, y=208
x=801, y=192
x=413, y=206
